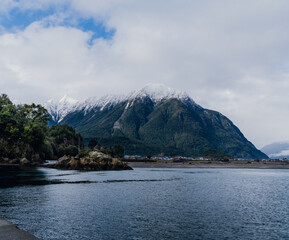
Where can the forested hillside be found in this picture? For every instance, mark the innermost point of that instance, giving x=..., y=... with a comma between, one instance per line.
x=24, y=133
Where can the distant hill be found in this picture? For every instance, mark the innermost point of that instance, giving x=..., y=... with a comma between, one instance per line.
x=277, y=150
x=153, y=120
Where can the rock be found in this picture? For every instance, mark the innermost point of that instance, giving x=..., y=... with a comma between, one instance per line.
x=64, y=158
x=115, y=160
x=14, y=161
x=95, y=162
x=24, y=161
x=36, y=158
x=74, y=163
x=97, y=154
x=85, y=161
x=5, y=159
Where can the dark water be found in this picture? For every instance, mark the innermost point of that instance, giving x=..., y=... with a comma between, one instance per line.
x=149, y=204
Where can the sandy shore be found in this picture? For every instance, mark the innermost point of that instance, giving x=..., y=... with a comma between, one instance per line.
x=239, y=164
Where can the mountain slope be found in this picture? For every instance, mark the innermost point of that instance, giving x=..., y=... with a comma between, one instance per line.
x=58, y=110
x=157, y=119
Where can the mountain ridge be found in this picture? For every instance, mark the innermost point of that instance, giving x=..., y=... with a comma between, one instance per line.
x=156, y=92
x=156, y=119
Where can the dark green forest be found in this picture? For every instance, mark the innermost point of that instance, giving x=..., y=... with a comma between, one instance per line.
x=24, y=133
x=172, y=127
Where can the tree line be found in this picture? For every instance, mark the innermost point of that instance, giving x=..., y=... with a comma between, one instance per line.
x=24, y=133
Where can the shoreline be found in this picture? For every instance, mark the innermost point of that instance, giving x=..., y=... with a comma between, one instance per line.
x=232, y=165
x=5, y=167
x=10, y=231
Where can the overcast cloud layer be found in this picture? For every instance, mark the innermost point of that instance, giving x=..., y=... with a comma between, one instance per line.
x=230, y=56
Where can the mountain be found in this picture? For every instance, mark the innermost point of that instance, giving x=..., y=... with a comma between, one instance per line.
x=58, y=110
x=155, y=119
x=277, y=150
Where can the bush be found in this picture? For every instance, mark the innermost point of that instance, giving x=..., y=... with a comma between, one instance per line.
x=92, y=143
x=82, y=154
x=69, y=151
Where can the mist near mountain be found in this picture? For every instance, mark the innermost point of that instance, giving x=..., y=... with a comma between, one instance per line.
x=277, y=150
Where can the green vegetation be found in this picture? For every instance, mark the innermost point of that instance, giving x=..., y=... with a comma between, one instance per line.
x=171, y=127
x=65, y=140
x=24, y=134
x=93, y=143
x=213, y=153
x=133, y=147
x=116, y=151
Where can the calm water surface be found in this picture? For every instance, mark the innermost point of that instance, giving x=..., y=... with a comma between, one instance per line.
x=149, y=204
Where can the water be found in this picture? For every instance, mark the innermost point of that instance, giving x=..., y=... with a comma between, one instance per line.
x=149, y=204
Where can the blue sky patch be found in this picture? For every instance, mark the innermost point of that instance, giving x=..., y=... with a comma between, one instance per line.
x=19, y=20
x=98, y=29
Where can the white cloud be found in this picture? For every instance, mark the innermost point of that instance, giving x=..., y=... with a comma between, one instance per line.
x=281, y=154
x=229, y=56
x=6, y=6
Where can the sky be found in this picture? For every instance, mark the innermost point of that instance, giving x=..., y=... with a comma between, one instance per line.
x=230, y=56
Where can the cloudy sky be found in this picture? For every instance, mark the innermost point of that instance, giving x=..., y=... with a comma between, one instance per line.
x=230, y=56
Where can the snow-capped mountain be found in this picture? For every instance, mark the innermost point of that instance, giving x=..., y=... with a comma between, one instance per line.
x=101, y=103
x=155, y=119
x=156, y=92
x=58, y=110
x=159, y=92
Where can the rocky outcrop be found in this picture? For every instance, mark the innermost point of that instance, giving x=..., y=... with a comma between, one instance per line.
x=93, y=161
x=7, y=164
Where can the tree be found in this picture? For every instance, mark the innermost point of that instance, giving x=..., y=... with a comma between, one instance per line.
x=34, y=114
x=67, y=141
x=92, y=143
x=9, y=128
x=4, y=101
x=24, y=132
x=116, y=151
x=214, y=153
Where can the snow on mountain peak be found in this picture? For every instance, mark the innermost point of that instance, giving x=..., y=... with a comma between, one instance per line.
x=158, y=92
x=101, y=102
x=59, y=109
x=68, y=100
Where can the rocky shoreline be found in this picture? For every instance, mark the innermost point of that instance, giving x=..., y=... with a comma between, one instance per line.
x=94, y=161
x=6, y=167
x=17, y=164
x=91, y=161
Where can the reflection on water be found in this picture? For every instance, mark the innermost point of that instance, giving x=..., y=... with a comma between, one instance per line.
x=36, y=177
x=20, y=178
